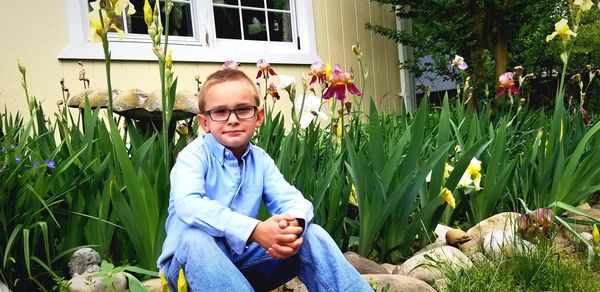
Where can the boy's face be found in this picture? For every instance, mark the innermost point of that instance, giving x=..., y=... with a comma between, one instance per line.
x=233, y=132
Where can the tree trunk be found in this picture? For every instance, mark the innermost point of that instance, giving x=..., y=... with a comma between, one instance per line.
x=501, y=59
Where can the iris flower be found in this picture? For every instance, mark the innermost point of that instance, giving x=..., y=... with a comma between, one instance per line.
x=231, y=64
x=340, y=81
x=584, y=4
x=507, y=82
x=318, y=71
x=459, y=62
x=561, y=28
x=449, y=198
x=272, y=91
x=310, y=109
x=99, y=16
x=264, y=69
x=50, y=163
x=164, y=283
x=472, y=176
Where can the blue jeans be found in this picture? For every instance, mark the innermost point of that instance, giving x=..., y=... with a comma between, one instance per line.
x=209, y=265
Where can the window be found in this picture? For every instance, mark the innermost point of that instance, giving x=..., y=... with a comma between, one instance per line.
x=281, y=31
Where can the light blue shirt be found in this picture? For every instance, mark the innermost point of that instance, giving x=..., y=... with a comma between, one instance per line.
x=210, y=190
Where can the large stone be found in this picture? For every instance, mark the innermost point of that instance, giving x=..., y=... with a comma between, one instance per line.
x=88, y=283
x=429, y=265
x=397, y=282
x=364, y=265
x=500, y=222
x=153, y=285
x=440, y=232
x=392, y=269
x=505, y=244
x=84, y=260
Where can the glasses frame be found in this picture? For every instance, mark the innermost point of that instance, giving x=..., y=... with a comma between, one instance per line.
x=235, y=111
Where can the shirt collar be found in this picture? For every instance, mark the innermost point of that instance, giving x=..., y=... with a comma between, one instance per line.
x=218, y=150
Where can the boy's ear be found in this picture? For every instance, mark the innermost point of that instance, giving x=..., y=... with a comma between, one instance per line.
x=203, y=122
x=260, y=116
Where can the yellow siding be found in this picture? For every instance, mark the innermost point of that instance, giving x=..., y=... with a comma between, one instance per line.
x=36, y=32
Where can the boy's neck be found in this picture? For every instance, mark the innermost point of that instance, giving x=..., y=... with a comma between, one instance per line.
x=238, y=153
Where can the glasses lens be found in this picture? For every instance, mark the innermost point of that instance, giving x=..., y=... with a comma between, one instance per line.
x=219, y=115
x=246, y=112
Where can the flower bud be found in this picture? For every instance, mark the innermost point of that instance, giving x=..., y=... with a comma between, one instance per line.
x=357, y=50
x=576, y=77
x=543, y=216
x=22, y=68
x=589, y=67
x=169, y=60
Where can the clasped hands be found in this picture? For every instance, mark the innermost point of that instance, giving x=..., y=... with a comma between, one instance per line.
x=279, y=236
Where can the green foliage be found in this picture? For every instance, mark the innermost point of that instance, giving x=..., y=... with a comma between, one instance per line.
x=541, y=269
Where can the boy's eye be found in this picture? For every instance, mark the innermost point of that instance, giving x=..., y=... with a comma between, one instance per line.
x=244, y=110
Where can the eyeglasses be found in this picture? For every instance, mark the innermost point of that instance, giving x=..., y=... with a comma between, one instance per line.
x=222, y=114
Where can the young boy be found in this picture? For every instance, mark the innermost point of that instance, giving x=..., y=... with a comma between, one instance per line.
x=217, y=185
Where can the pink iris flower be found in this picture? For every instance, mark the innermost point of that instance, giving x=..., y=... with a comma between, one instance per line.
x=272, y=91
x=340, y=81
x=231, y=64
x=318, y=72
x=507, y=82
x=459, y=62
x=264, y=68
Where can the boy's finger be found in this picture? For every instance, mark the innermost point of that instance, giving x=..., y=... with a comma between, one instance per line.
x=282, y=251
x=292, y=230
x=285, y=238
x=283, y=223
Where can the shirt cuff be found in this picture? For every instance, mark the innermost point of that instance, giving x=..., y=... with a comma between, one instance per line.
x=238, y=231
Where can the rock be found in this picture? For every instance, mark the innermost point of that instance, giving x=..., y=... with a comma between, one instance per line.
x=428, y=265
x=397, y=282
x=87, y=283
x=440, y=231
x=579, y=227
x=499, y=243
x=84, y=260
x=455, y=237
x=392, y=269
x=433, y=245
x=294, y=285
x=153, y=285
x=98, y=98
x=500, y=222
x=585, y=207
x=364, y=265
x=587, y=236
x=3, y=287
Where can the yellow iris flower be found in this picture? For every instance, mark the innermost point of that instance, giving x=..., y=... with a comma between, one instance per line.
x=561, y=28
x=449, y=198
x=584, y=4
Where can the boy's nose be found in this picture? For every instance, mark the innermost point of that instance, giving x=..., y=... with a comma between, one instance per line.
x=233, y=118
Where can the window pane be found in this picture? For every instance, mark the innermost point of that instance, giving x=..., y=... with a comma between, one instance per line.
x=227, y=23
x=229, y=2
x=253, y=3
x=180, y=19
x=280, y=27
x=254, y=25
x=279, y=4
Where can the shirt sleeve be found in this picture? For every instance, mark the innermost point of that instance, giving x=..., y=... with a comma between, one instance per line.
x=194, y=208
x=280, y=197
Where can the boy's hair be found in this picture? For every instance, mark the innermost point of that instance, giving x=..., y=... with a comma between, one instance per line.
x=225, y=75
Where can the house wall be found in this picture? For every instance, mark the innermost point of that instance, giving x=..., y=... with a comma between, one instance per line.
x=36, y=32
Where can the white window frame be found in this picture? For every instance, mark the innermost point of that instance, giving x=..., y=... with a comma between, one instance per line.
x=205, y=47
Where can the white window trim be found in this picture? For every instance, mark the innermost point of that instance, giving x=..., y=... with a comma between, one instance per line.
x=206, y=49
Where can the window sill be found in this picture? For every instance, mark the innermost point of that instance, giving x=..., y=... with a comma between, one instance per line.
x=137, y=51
